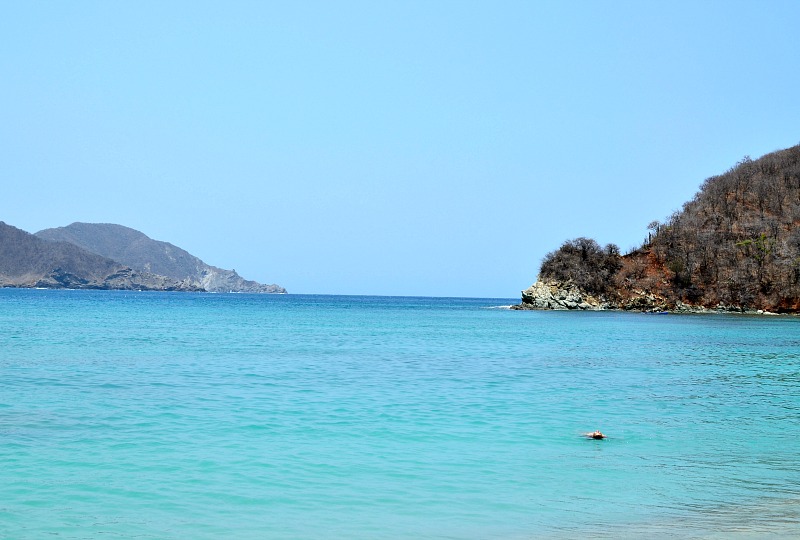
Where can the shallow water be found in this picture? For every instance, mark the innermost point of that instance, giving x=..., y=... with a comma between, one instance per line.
x=161, y=415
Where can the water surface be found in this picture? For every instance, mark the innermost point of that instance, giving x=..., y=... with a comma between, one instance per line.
x=161, y=415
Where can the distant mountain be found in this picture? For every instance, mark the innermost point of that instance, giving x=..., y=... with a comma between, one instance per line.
x=734, y=247
x=138, y=251
x=28, y=261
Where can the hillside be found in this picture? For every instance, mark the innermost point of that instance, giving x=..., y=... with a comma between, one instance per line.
x=735, y=246
x=136, y=250
x=28, y=261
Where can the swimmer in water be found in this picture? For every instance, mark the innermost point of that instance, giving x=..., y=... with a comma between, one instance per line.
x=596, y=435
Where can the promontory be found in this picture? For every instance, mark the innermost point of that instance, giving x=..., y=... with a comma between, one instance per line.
x=734, y=247
x=108, y=256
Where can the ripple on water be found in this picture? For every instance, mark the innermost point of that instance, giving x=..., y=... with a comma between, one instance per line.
x=195, y=416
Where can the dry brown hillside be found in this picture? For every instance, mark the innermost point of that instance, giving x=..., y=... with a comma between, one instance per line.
x=736, y=243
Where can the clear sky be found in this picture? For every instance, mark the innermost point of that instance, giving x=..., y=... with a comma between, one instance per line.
x=402, y=148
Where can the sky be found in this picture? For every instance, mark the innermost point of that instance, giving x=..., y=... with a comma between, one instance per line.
x=394, y=148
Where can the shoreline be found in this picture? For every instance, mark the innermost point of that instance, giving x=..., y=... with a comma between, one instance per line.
x=692, y=310
x=567, y=296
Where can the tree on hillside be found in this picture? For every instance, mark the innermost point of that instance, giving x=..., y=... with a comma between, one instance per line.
x=736, y=241
x=583, y=262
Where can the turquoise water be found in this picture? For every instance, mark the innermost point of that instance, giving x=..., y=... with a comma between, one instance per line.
x=159, y=415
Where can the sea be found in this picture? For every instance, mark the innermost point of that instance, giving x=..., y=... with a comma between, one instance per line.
x=149, y=415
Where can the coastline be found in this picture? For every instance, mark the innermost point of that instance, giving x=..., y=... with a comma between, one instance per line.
x=554, y=295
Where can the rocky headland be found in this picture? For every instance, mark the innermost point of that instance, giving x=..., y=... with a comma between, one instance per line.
x=105, y=256
x=735, y=247
x=29, y=262
x=141, y=253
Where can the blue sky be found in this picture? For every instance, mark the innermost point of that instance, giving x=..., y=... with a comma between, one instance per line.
x=401, y=148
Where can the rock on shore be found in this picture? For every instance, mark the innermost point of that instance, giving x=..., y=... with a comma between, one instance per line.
x=550, y=294
x=558, y=295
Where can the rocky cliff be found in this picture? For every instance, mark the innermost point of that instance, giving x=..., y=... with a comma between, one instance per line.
x=552, y=294
x=141, y=253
